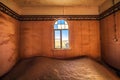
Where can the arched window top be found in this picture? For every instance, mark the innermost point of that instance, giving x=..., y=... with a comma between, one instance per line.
x=60, y=24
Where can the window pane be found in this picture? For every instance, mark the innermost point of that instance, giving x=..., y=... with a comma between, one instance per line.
x=62, y=21
x=57, y=38
x=63, y=26
x=55, y=26
x=65, y=39
x=59, y=21
x=59, y=26
x=66, y=26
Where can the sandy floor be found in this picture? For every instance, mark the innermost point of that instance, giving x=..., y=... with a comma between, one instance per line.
x=40, y=68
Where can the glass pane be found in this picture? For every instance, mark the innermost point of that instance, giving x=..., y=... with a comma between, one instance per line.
x=57, y=38
x=59, y=26
x=66, y=26
x=55, y=26
x=62, y=21
x=63, y=26
x=65, y=39
x=59, y=21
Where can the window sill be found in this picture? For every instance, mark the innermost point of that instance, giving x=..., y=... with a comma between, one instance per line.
x=61, y=49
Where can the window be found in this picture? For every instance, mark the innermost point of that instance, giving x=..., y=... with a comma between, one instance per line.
x=61, y=35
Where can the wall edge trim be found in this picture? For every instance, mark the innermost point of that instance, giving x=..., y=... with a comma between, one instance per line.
x=110, y=11
x=8, y=11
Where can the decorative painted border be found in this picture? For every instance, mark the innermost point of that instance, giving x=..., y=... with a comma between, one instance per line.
x=109, y=11
x=8, y=11
x=54, y=17
x=13, y=14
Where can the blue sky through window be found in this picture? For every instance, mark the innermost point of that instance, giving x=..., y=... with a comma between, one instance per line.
x=64, y=34
x=60, y=23
x=55, y=26
x=57, y=34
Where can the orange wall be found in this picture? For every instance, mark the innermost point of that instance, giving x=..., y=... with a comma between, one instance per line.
x=8, y=42
x=37, y=39
x=110, y=49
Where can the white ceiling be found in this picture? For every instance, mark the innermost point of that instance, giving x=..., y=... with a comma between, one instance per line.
x=49, y=3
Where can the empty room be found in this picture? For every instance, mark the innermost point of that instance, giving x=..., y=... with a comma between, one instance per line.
x=59, y=40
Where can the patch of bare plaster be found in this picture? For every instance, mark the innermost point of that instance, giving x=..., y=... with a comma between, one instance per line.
x=12, y=58
x=8, y=42
x=4, y=39
x=8, y=39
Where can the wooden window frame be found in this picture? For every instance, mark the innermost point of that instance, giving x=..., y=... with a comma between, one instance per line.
x=61, y=37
